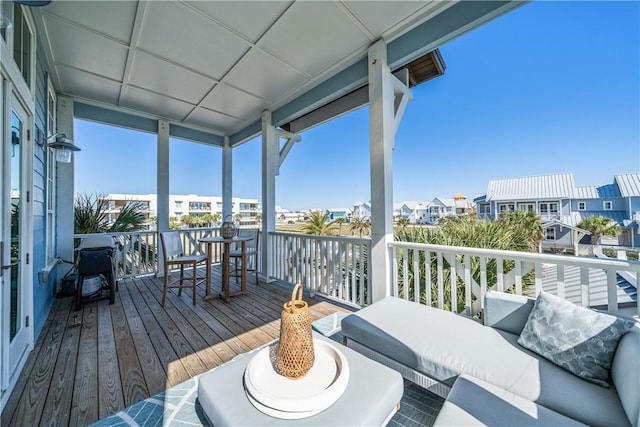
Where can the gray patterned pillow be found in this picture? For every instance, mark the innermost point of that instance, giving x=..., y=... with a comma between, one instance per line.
x=578, y=339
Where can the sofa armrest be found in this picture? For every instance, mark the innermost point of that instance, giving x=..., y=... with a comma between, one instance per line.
x=507, y=312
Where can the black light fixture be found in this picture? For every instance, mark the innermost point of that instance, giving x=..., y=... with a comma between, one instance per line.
x=6, y=14
x=6, y=9
x=63, y=146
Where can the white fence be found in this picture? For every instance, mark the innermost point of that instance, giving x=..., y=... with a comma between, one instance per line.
x=457, y=278
x=448, y=277
x=138, y=252
x=329, y=265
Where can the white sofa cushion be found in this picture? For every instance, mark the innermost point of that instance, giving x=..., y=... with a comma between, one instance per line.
x=473, y=402
x=444, y=345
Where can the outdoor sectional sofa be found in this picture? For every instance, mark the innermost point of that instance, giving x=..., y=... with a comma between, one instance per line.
x=487, y=377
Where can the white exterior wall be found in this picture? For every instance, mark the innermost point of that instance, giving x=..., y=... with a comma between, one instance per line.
x=214, y=202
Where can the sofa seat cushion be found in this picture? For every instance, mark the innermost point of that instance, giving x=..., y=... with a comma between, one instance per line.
x=473, y=402
x=443, y=345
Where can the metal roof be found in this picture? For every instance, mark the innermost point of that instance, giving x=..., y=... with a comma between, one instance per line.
x=608, y=191
x=554, y=186
x=214, y=66
x=629, y=184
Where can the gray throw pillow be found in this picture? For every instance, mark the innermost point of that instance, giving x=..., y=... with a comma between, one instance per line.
x=578, y=339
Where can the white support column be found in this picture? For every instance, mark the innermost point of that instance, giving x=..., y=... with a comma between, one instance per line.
x=270, y=167
x=64, y=188
x=163, y=175
x=385, y=112
x=227, y=179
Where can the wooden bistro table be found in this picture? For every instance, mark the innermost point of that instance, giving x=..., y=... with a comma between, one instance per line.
x=225, y=265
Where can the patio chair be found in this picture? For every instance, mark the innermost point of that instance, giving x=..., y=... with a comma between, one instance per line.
x=251, y=252
x=173, y=255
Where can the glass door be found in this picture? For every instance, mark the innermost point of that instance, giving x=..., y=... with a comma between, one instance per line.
x=15, y=330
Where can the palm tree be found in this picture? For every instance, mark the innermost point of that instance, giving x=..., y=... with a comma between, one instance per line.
x=403, y=222
x=216, y=218
x=90, y=216
x=174, y=223
x=259, y=219
x=318, y=223
x=238, y=218
x=339, y=221
x=525, y=223
x=208, y=219
x=599, y=225
x=187, y=220
x=360, y=225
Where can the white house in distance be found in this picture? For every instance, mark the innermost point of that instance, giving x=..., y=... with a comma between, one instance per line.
x=431, y=212
x=562, y=205
x=362, y=210
x=188, y=204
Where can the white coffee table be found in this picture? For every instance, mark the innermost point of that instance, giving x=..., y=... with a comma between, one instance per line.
x=371, y=397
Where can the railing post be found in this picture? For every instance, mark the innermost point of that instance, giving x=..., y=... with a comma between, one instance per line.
x=270, y=166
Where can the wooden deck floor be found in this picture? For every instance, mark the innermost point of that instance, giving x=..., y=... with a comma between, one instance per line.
x=133, y=349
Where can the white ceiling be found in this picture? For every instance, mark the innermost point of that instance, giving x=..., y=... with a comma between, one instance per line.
x=211, y=65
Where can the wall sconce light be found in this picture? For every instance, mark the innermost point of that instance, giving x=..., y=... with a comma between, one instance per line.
x=6, y=14
x=63, y=146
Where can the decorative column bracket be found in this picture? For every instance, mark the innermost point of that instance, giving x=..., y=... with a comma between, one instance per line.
x=291, y=138
x=402, y=95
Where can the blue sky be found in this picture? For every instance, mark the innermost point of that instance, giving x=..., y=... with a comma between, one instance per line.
x=551, y=87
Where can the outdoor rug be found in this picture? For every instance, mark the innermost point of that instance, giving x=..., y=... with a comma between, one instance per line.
x=179, y=406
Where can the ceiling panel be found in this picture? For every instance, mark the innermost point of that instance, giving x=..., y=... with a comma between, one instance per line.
x=233, y=101
x=162, y=106
x=86, y=50
x=184, y=36
x=114, y=19
x=159, y=76
x=249, y=18
x=211, y=119
x=87, y=86
x=260, y=74
x=301, y=36
x=379, y=16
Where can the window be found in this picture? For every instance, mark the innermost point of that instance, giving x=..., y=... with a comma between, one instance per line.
x=178, y=204
x=550, y=233
x=506, y=207
x=547, y=208
x=527, y=207
x=607, y=205
x=198, y=206
x=51, y=177
x=22, y=43
x=582, y=206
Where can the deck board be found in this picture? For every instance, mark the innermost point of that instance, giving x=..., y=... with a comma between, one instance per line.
x=58, y=400
x=110, y=397
x=84, y=404
x=126, y=352
x=32, y=398
x=134, y=386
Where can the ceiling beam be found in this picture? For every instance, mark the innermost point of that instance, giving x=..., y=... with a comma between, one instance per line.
x=143, y=124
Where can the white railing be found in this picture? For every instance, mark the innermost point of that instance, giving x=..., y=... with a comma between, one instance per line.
x=137, y=252
x=328, y=265
x=458, y=278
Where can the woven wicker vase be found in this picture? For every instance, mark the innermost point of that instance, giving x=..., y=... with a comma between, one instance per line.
x=295, y=351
